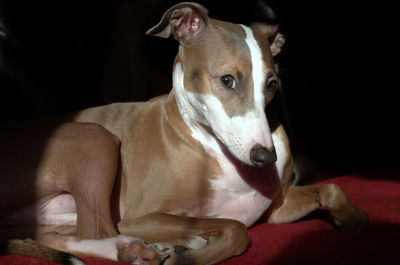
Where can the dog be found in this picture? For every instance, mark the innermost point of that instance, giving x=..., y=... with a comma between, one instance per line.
x=177, y=179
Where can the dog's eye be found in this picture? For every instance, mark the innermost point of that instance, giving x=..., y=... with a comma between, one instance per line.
x=228, y=81
x=272, y=86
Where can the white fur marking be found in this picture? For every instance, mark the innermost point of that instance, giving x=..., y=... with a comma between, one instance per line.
x=258, y=69
x=106, y=248
x=281, y=155
x=190, y=116
x=196, y=242
x=59, y=210
x=258, y=74
x=76, y=261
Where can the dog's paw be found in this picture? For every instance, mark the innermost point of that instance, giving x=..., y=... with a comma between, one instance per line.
x=138, y=253
x=163, y=251
x=351, y=219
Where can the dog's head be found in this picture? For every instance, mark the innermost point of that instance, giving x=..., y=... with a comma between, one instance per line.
x=224, y=77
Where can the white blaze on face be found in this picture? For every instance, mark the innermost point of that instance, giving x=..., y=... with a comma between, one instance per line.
x=238, y=133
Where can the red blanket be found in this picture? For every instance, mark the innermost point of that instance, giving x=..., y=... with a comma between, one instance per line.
x=314, y=240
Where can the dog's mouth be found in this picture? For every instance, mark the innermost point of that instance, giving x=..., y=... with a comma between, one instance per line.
x=259, y=156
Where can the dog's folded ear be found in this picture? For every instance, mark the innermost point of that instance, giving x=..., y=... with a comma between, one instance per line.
x=185, y=21
x=275, y=39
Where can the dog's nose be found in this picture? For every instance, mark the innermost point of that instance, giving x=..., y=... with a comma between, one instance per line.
x=261, y=156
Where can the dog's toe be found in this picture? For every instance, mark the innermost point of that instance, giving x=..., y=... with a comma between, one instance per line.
x=138, y=253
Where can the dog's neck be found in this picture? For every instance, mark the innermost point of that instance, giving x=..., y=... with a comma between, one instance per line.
x=184, y=118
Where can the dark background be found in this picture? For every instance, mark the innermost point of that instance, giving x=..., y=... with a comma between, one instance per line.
x=338, y=66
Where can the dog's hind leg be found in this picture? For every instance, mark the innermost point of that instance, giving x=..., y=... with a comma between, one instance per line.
x=92, y=182
x=302, y=200
x=86, y=155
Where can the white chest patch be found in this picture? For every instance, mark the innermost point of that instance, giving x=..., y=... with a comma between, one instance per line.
x=240, y=192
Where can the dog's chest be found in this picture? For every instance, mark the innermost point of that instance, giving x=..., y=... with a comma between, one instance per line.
x=239, y=192
x=246, y=206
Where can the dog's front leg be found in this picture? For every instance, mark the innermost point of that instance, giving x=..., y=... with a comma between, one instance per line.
x=205, y=240
x=131, y=250
x=302, y=200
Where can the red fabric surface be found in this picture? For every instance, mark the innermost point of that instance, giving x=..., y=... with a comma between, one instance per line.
x=314, y=240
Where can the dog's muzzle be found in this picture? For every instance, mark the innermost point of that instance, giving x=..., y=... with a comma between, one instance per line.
x=261, y=156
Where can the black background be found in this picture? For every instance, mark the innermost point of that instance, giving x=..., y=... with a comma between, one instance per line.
x=339, y=68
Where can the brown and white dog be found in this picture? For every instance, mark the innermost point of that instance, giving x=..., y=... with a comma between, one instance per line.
x=192, y=169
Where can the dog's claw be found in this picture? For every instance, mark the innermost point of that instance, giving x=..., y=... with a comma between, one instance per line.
x=162, y=250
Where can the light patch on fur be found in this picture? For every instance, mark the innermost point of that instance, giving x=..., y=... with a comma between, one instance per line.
x=196, y=242
x=187, y=102
x=58, y=210
x=110, y=248
x=106, y=248
x=75, y=261
x=258, y=69
x=281, y=154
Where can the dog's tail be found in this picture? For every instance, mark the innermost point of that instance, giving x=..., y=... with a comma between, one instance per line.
x=32, y=248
